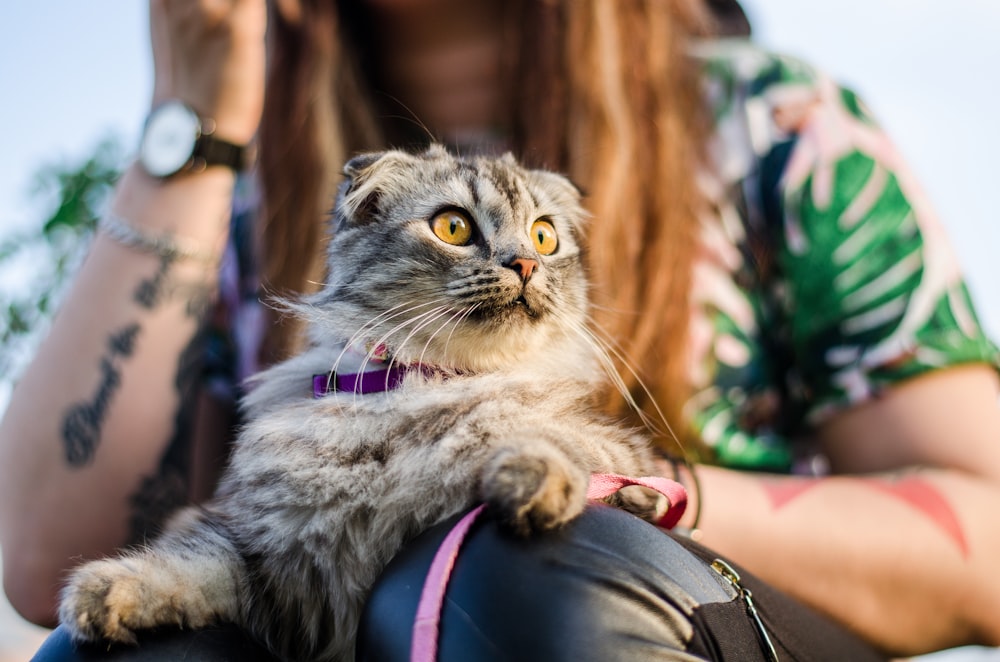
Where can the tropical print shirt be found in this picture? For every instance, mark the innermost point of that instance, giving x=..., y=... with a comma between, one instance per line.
x=824, y=275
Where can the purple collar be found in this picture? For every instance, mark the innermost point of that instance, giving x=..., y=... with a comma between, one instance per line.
x=375, y=381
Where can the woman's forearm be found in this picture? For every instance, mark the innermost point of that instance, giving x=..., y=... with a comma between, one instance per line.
x=907, y=560
x=109, y=390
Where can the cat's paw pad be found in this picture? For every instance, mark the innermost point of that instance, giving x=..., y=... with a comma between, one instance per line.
x=533, y=491
x=640, y=501
x=111, y=599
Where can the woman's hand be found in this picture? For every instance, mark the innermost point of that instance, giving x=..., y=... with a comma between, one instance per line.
x=210, y=54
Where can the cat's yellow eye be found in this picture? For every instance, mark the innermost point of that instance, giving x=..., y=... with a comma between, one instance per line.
x=543, y=233
x=452, y=227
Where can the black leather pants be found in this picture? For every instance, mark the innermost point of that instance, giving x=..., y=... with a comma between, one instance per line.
x=607, y=587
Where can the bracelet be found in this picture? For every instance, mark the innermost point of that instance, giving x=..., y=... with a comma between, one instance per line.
x=694, y=532
x=163, y=245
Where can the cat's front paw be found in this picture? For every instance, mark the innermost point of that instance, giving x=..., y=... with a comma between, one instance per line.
x=113, y=598
x=533, y=491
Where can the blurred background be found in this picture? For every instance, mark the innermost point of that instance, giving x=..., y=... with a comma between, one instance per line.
x=76, y=77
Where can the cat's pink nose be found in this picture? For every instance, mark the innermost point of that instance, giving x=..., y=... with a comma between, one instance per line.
x=523, y=266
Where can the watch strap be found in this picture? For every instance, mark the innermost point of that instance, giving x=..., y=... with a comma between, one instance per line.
x=212, y=151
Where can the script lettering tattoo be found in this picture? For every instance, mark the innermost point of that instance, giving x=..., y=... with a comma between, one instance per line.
x=168, y=488
x=162, y=286
x=150, y=291
x=82, y=425
x=912, y=490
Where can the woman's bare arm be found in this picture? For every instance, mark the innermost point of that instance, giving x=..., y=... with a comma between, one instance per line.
x=906, y=556
x=106, y=410
x=108, y=392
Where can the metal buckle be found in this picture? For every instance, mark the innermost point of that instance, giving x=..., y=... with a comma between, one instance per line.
x=733, y=577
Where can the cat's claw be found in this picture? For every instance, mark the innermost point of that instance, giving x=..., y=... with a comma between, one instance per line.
x=533, y=491
x=100, y=602
x=112, y=599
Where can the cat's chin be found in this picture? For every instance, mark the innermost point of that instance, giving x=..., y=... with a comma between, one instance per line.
x=521, y=305
x=518, y=315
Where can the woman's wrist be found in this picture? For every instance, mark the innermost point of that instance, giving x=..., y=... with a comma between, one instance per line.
x=691, y=521
x=191, y=210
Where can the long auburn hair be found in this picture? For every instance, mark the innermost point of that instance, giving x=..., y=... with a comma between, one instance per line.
x=606, y=93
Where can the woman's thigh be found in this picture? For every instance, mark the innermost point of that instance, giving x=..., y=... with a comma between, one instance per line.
x=225, y=643
x=606, y=587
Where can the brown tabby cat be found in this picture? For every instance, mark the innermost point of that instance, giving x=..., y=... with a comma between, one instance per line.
x=454, y=367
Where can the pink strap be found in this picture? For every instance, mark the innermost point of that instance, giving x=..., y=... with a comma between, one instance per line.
x=425, y=627
x=603, y=485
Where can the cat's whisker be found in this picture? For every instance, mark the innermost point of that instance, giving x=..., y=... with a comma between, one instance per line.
x=430, y=319
x=412, y=117
x=458, y=323
x=667, y=430
x=604, y=349
x=390, y=314
x=618, y=312
x=385, y=337
x=432, y=336
x=455, y=319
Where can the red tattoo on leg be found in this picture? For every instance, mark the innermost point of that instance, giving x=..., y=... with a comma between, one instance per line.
x=912, y=490
x=926, y=499
x=784, y=490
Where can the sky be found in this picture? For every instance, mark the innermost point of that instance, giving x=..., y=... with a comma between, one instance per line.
x=72, y=71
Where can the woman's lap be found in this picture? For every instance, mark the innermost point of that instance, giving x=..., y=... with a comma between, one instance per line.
x=606, y=587
x=224, y=643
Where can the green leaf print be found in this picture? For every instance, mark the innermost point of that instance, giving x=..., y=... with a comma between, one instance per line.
x=849, y=278
x=834, y=281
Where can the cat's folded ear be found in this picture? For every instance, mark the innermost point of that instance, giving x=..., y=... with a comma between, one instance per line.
x=574, y=189
x=364, y=179
x=553, y=181
x=354, y=168
x=548, y=178
x=559, y=185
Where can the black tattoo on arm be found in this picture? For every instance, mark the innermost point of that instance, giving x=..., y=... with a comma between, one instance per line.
x=161, y=493
x=150, y=291
x=168, y=488
x=82, y=425
x=162, y=288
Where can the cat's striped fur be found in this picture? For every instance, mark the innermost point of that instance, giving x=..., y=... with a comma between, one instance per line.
x=321, y=493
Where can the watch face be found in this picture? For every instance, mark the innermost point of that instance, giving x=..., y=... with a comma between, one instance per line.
x=169, y=139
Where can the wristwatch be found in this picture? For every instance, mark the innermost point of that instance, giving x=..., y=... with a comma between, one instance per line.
x=175, y=140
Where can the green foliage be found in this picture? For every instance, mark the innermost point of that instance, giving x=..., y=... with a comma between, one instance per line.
x=36, y=262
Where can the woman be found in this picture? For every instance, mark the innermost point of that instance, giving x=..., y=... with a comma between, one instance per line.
x=745, y=308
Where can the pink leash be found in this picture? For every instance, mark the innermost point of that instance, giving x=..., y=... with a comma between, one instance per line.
x=428, y=619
